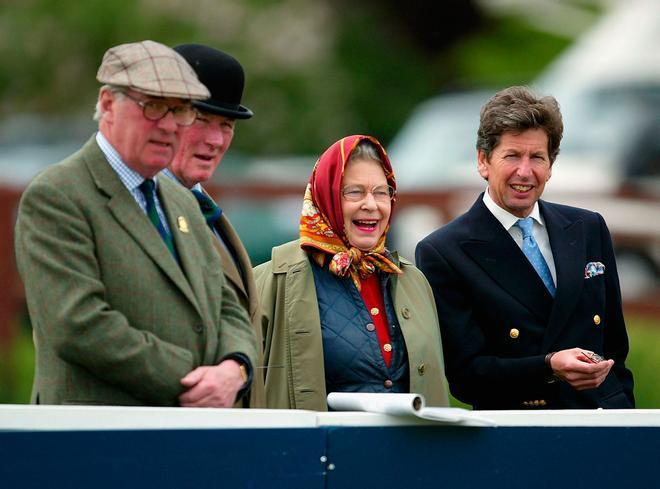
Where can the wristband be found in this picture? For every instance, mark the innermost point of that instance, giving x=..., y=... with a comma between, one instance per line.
x=552, y=378
x=547, y=359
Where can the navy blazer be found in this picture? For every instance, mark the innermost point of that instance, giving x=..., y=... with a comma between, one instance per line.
x=498, y=320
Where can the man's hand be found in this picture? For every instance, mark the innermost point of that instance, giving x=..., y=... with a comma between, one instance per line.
x=214, y=386
x=576, y=366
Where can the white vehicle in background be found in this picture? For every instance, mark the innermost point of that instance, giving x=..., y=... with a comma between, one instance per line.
x=608, y=85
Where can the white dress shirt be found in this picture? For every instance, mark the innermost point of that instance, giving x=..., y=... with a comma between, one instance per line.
x=540, y=231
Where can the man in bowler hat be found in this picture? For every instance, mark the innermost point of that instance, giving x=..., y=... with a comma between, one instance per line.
x=203, y=145
x=116, y=262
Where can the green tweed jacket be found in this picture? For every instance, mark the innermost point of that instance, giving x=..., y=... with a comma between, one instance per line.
x=116, y=319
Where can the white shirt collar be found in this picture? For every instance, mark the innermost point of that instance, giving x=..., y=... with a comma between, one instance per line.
x=505, y=217
x=129, y=177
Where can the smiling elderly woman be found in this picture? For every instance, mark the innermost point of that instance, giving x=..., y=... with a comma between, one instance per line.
x=340, y=312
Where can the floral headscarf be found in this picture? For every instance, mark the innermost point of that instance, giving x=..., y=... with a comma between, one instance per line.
x=322, y=231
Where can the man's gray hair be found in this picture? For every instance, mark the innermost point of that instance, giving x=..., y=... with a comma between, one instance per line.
x=98, y=111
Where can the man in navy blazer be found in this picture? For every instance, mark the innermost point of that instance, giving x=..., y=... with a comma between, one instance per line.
x=533, y=318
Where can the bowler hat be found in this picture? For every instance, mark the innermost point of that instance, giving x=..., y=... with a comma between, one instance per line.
x=151, y=68
x=223, y=76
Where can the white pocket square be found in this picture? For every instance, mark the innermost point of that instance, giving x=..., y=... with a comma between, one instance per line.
x=593, y=268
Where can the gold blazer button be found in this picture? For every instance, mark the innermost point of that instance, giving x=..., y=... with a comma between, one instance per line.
x=596, y=319
x=514, y=333
x=387, y=347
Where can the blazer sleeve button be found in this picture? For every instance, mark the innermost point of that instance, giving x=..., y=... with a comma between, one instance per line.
x=514, y=333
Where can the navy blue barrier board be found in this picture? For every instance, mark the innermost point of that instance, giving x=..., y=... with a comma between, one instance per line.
x=504, y=457
x=197, y=459
x=86, y=447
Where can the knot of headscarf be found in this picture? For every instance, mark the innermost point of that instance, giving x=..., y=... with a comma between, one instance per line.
x=322, y=230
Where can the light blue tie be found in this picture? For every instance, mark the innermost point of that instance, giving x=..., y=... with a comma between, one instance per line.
x=531, y=250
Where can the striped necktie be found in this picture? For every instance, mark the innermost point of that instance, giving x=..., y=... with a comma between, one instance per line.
x=209, y=208
x=212, y=213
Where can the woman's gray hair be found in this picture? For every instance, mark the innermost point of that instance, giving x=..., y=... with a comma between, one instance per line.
x=517, y=109
x=365, y=150
x=98, y=111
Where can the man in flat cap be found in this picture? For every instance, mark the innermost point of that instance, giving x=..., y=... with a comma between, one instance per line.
x=124, y=287
x=203, y=144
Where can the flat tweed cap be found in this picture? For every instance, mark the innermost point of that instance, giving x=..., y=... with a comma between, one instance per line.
x=151, y=68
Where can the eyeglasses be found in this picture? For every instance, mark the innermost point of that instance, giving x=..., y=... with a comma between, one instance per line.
x=357, y=193
x=155, y=110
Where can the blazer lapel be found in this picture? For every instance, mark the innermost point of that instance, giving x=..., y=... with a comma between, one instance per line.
x=192, y=283
x=493, y=248
x=229, y=267
x=567, y=241
x=126, y=211
x=249, y=285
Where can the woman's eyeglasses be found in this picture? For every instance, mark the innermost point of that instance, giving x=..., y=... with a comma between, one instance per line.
x=357, y=193
x=155, y=110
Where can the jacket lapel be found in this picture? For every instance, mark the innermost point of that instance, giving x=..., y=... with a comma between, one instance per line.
x=229, y=267
x=303, y=329
x=568, y=249
x=495, y=251
x=126, y=211
x=192, y=283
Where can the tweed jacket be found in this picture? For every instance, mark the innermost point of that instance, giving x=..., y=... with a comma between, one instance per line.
x=499, y=321
x=116, y=319
x=243, y=284
x=295, y=377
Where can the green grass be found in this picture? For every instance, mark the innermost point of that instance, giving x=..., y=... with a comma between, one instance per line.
x=17, y=369
x=644, y=359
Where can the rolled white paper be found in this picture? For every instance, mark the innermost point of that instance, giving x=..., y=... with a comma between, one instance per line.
x=396, y=404
x=404, y=405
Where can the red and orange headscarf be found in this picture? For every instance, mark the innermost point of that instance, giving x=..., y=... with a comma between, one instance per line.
x=322, y=231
